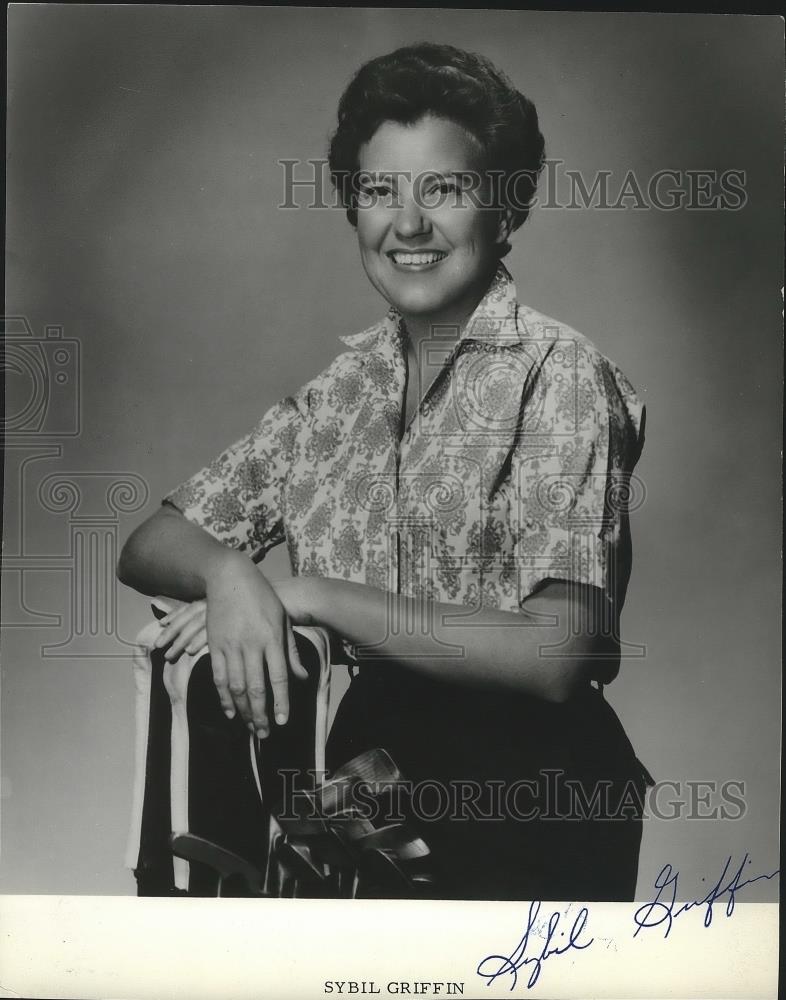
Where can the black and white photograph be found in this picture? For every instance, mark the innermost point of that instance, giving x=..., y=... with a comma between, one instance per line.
x=392, y=502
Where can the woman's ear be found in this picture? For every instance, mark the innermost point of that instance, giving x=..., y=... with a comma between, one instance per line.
x=504, y=226
x=504, y=229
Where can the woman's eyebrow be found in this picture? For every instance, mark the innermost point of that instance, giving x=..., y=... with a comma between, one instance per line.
x=386, y=174
x=460, y=175
x=378, y=176
x=395, y=175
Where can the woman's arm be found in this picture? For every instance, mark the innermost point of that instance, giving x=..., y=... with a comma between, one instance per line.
x=562, y=637
x=169, y=556
x=248, y=630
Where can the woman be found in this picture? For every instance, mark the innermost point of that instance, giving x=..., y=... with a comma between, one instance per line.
x=452, y=490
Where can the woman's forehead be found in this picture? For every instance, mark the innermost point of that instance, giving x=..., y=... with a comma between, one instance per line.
x=429, y=144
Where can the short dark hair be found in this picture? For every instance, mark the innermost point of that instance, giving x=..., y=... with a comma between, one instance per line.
x=440, y=80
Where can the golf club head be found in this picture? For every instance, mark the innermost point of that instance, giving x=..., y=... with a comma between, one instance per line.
x=329, y=849
x=228, y=864
x=397, y=839
x=373, y=769
x=372, y=766
x=382, y=875
x=296, y=859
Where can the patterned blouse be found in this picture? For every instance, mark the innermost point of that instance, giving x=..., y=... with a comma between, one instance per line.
x=514, y=469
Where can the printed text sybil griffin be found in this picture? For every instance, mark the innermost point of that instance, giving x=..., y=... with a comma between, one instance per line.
x=364, y=987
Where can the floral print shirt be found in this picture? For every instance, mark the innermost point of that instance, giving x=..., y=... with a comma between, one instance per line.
x=515, y=468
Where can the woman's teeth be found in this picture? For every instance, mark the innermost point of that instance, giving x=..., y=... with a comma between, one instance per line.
x=418, y=258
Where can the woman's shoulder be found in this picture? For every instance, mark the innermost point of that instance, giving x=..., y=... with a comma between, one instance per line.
x=571, y=360
x=336, y=390
x=368, y=339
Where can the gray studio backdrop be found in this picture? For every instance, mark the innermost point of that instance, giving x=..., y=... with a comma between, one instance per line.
x=169, y=302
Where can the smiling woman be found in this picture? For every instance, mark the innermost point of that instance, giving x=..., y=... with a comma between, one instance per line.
x=453, y=490
x=430, y=257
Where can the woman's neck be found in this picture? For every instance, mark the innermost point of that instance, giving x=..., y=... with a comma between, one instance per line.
x=450, y=323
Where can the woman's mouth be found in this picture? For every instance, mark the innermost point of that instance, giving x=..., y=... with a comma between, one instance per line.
x=416, y=260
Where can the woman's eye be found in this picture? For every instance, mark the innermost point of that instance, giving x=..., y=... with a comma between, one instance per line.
x=443, y=187
x=442, y=193
x=375, y=194
x=376, y=190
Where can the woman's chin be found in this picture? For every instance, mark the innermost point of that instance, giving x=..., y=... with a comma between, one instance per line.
x=421, y=303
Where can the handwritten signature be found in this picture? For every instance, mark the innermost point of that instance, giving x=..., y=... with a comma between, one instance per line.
x=663, y=908
x=558, y=939
x=493, y=966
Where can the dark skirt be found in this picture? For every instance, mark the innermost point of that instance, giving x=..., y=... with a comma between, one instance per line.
x=517, y=798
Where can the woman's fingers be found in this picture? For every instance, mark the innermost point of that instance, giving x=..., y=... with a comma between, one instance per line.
x=240, y=680
x=198, y=642
x=173, y=624
x=185, y=610
x=187, y=633
x=279, y=680
x=255, y=689
x=295, y=663
x=236, y=678
x=221, y=680
x=253, y=650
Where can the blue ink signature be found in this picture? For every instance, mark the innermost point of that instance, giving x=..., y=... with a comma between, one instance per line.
x=663, y=909
x=508, y=965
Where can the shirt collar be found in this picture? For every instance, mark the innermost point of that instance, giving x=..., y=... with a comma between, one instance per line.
x=493, y=321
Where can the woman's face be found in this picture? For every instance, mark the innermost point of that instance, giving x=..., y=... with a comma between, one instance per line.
x=427, y=246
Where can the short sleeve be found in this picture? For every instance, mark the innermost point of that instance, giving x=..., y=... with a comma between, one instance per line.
x=237, y=497
x=571, y=488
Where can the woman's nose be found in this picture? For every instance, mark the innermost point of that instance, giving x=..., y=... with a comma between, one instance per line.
x=411, y=219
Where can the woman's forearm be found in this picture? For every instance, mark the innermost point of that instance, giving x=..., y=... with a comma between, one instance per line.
x=169, y=556
x=548, y=650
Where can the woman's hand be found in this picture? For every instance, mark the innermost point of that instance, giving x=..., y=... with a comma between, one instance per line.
x=186, y=628
x=249, y=635
x=183, y=629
